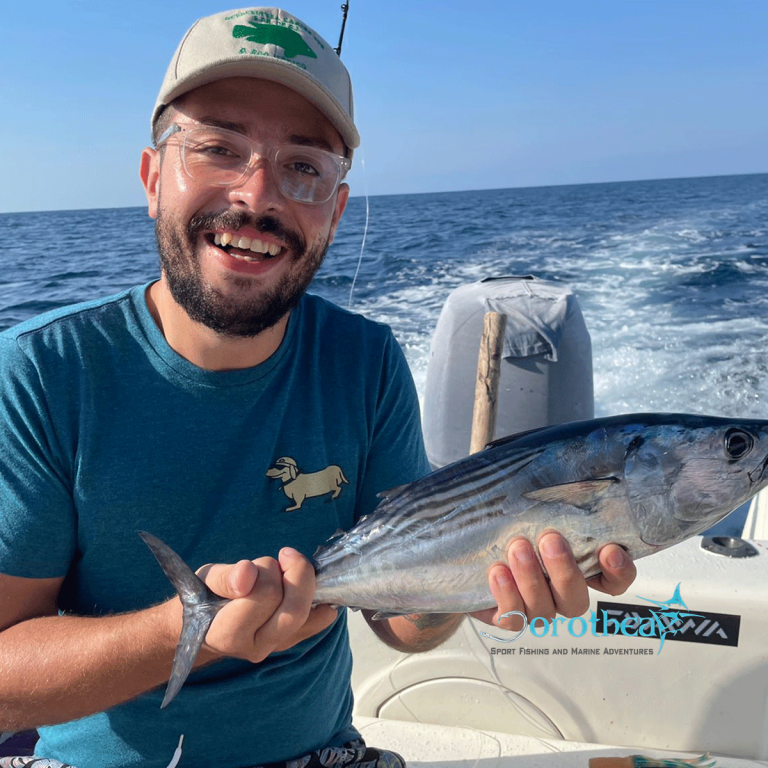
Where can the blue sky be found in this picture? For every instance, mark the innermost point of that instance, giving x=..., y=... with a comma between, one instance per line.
x=450, y=96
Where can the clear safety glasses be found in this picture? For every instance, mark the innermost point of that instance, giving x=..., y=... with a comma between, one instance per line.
x=223, y=158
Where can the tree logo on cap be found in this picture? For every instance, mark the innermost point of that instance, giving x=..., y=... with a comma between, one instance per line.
x=289, y=40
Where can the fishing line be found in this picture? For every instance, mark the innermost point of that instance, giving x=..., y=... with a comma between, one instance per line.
x=345, y=12
x=365, y=232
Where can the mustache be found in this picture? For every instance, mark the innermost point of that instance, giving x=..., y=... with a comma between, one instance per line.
x=234, y=220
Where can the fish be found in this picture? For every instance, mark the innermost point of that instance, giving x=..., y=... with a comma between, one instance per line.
x=643, y=481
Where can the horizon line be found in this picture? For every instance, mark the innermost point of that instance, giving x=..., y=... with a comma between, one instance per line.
x=434, y=192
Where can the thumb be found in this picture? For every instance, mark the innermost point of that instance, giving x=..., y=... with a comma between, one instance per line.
x=230, y=581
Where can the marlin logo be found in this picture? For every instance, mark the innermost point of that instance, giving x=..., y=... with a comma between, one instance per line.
x=289, y=40
x=666, y=605
x=673, y=612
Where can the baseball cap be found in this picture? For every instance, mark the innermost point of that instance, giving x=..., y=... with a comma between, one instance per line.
x=268, y=43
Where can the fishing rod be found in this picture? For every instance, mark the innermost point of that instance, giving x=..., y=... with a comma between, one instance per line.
x=345, y=10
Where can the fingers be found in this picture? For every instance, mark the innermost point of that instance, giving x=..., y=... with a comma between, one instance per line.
x=508, y=600
x=522, y=587
x=530, y=580
x=270, y=608
x=298, y=581
x=299, y=590
x=618, y=571
x=289, y=623
x=233, y=630
x=567, y=584
x=566, y=590
x=230, y=581
x=320, y=617
x=558, y=587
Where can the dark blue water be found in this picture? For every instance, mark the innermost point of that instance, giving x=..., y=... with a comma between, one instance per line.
x=671, y=275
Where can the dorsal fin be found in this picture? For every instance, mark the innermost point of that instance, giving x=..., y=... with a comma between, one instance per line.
x=516, y=436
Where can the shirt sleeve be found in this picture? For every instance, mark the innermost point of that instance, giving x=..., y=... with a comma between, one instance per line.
x=37, y=517
x=396, y=455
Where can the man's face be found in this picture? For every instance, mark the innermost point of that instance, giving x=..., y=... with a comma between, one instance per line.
x=217, y=285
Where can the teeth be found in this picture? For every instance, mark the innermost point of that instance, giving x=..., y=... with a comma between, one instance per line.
x=246, y=244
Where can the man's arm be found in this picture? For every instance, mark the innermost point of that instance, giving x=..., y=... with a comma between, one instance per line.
x=58, y=668
x=520, y=586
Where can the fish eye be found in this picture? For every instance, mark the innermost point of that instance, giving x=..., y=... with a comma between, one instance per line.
x=738, y=443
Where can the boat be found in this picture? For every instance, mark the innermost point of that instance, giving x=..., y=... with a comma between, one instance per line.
x=560, y=696
x=492, y=699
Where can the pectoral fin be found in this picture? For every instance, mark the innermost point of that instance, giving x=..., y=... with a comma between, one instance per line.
x=583, y=494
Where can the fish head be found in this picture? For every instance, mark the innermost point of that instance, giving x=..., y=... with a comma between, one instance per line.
x=685, y=473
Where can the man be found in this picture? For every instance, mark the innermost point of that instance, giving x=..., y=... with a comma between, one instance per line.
x=176, y=408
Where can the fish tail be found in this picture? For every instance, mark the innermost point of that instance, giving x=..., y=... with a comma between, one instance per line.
x=200, y=606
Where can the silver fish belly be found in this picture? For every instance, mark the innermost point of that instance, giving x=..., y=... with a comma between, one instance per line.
x=644, y=481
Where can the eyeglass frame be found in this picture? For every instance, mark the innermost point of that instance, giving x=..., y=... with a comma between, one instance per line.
x=258, y=150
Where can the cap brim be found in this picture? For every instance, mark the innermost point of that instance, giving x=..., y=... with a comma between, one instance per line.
x=277, y=71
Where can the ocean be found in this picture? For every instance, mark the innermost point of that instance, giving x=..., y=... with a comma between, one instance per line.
x=671, y=275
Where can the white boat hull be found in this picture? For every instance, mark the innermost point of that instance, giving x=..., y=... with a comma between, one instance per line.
x=690, y=696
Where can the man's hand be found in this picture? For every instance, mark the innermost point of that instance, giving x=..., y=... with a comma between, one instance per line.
x=271, y=607
x=111, y=659
x=523, y=587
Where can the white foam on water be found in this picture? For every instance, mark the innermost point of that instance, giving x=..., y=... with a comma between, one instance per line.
x=671, y=276
x=666, y=334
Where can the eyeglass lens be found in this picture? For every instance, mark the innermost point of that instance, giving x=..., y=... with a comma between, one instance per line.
x=222, y=157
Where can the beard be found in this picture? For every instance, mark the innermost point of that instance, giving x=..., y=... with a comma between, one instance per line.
x=242, y=312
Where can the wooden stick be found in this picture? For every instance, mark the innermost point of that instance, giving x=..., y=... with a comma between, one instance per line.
x=487, y=386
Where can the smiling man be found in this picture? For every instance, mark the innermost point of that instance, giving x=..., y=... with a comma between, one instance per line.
x=245, y=189
x=175, y=407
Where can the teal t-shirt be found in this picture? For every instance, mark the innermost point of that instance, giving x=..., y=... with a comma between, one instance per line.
x=105, y=431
